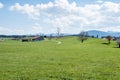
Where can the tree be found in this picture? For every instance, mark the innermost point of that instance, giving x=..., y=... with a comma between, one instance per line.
x=97, y=36
x=109, y=38
x=83, y=36
x=118, y=42
x=58, y=32
x=50, y=37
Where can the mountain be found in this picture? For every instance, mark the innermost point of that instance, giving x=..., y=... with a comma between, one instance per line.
x=102, y=33
x=90, y=32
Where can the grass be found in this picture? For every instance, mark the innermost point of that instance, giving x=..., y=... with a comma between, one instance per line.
x=71, y=60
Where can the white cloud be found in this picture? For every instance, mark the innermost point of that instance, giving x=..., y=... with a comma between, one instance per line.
x=68, y=15
x=1, y=5
x=99, y=1
x=111, y=7
x=44, y=6
x=8, y=31
x=30, y=10
x=36, y=28
x=113, y=29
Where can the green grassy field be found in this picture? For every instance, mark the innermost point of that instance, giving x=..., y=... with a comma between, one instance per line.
x=71, y=60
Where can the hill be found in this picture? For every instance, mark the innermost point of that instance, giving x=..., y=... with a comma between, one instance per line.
x=102, y=33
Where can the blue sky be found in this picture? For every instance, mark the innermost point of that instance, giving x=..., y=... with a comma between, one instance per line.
x=71, y=16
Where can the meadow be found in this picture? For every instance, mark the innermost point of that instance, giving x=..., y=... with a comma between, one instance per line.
x=70, y=60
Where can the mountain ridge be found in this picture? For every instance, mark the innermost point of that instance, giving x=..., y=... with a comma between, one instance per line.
x=103, y=33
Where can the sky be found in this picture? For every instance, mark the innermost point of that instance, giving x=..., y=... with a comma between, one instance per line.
x=18, y=17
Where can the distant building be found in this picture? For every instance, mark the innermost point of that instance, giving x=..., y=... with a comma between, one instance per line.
x=25, y=40
x=38, y=38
